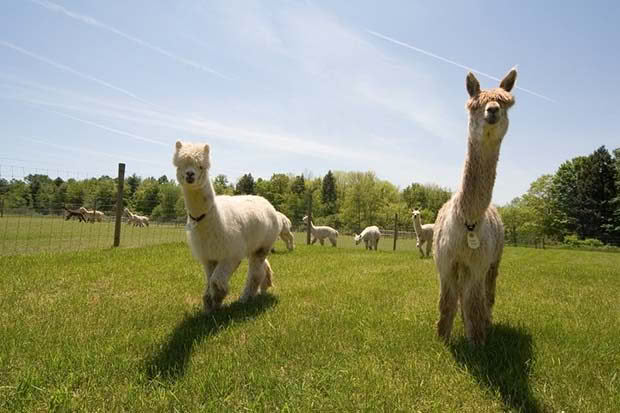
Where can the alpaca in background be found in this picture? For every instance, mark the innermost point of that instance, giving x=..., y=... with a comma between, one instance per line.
x=321, y=232
x=370, y=236
x=286, y=234
x=423, y=233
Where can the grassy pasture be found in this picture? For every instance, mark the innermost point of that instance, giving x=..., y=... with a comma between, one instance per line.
x=343, y=330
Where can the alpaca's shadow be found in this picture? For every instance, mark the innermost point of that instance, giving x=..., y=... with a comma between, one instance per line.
x=170, y=362
x=503, y=365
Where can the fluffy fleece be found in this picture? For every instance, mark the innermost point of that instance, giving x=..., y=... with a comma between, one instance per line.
x=222, y=230
x=469, y=235
x=423, y=233
x=92, y=216
x=370, y=236
x=286, y=234
x=321, y=232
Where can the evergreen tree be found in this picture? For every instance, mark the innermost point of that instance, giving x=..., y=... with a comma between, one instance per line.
x=245, y=185
x=329, y=194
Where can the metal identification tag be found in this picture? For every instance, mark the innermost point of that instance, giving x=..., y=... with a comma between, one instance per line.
x=472, y=240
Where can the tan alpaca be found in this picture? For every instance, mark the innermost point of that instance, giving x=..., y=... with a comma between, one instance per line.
x=469, y=234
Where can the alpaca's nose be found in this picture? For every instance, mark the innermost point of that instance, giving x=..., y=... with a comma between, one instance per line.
x=493, y=110
x=189, y=177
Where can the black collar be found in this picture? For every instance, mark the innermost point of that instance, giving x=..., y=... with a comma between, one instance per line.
x=470, y=227
x=199, y=218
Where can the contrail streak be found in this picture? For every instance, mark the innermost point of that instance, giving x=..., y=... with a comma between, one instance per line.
x=87, y=151
x=93, y=22
x=452, y=62
x=71, y=70
x=109, y=129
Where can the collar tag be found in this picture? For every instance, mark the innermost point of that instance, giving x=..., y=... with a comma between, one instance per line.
x=472, y=240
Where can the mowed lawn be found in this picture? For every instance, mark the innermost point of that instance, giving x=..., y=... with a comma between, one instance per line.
x=343, y=330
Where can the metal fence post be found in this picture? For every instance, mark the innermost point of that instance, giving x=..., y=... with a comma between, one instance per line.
x=309, y=214
x=395, y=230
x=119, y=204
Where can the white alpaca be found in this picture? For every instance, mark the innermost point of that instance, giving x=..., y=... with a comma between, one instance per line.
x=136, y=220
x=469, y=235
x=370, y=236
x=222, y=230
x=423, y=233
x=285, y=233
x=92, y=215
x=321, y=232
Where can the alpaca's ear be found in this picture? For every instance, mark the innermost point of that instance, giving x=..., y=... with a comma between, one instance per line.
x=508, y=81
x=473, y=86
x=179, y=145
x=207, y=148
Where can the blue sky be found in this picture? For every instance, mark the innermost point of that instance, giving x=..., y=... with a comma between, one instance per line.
x=302, y=86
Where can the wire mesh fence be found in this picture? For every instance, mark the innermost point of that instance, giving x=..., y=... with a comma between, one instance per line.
x=26, y=231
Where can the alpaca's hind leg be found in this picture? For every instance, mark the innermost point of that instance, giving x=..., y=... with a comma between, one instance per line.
x=268, y=280
x=217, y=284
x=333, y=241
x=290, y=242
x=376, y=244
x=256, y=274
x=475, y=310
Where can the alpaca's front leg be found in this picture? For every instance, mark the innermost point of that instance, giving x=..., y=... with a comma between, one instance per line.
x=448, y=298
x=217, y=285
x=419, y=245
x=429, y=245
x=475, y=310
x=490, y=287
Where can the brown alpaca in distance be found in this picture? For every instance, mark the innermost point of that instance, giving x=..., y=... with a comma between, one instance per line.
x=469, y=234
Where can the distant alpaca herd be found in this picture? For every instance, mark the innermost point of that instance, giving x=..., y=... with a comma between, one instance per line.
x=87, y=215
x=466, y=239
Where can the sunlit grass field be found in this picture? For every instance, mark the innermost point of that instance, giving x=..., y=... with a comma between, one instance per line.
x=343, y=330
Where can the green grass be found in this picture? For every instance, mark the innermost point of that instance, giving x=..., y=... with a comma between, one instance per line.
x=343, y=330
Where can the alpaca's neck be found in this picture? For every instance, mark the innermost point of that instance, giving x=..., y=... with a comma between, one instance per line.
x=417, y=225
x=476, y=190
x=199, y=201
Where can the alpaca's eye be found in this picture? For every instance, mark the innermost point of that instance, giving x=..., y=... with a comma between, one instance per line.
x=201, y=167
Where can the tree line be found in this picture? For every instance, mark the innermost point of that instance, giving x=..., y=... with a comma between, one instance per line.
x=580, y=200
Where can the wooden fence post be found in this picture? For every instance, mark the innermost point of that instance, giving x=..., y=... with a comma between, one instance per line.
x=119, y=204
x=309, y=214
x=395, y=230
x=1, y=207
